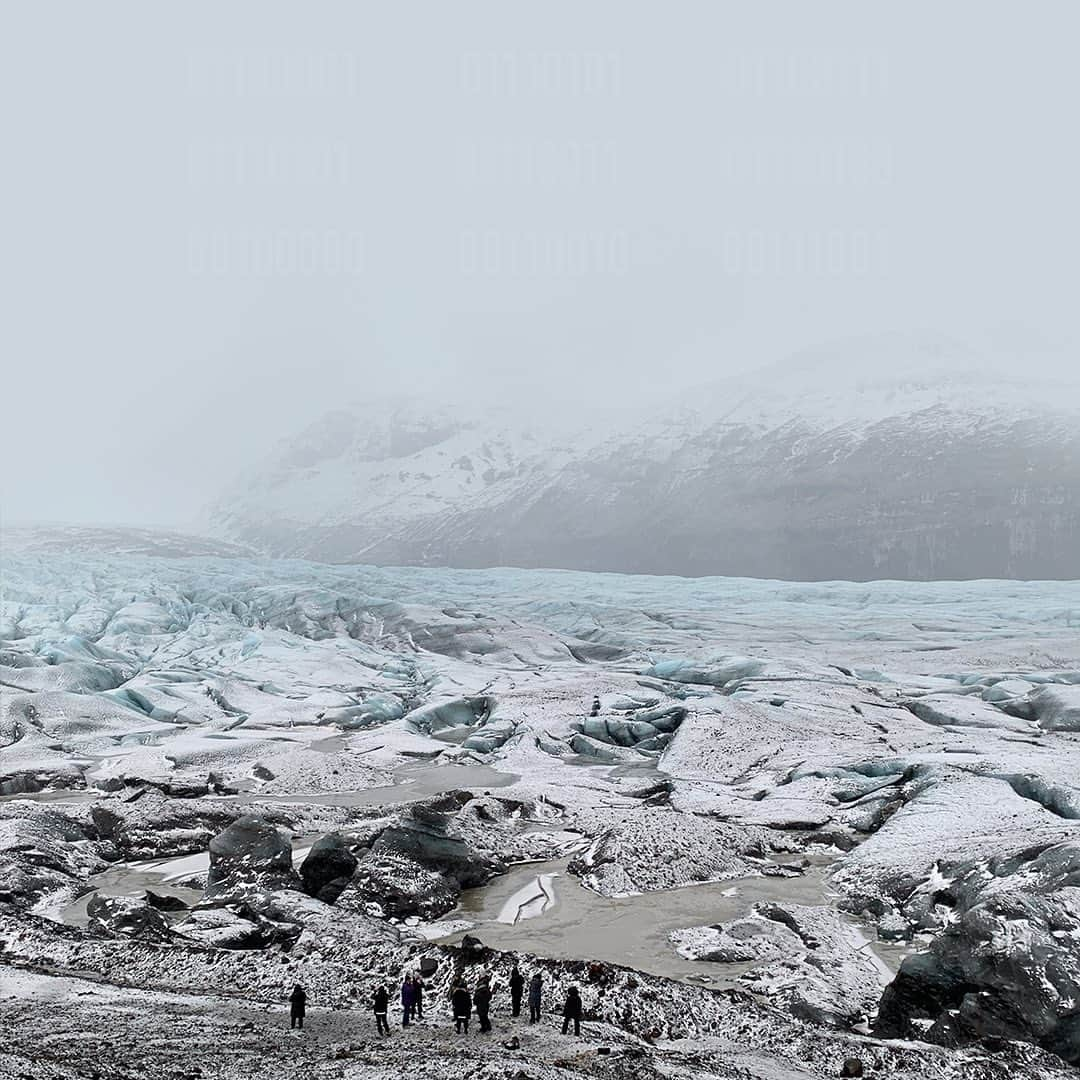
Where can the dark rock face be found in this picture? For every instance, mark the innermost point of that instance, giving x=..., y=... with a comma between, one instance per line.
x=250, y=854
x=165, y=902
x=400, y=887
x=420, y=864
x=42, y=851
x=432, y=846
x=122, y=916
x=1008, y=967
x=328, y=868
x=147, y=824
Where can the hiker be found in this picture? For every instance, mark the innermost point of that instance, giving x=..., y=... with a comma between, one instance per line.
x=461, y=1000
x=595, y=707
x=381, y=1006
x=517, y=986
x=536, y=984
x=572, y=1010
x=482, y=1001
x=297, y=1007
x=418, y=997
x=407, y=1001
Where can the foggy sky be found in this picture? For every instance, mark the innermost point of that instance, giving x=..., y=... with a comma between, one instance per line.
x=225, y=218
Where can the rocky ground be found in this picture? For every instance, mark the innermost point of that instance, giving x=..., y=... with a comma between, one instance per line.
x=830, y=822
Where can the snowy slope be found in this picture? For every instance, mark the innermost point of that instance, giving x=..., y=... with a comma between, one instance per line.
x=905, y=458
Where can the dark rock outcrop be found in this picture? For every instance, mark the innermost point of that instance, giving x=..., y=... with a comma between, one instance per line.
x=328, y=868
x=165, y=901
x=250, y=848
x=249, y=861
x=419, y=864
x=124, y=916
x=1007, y=967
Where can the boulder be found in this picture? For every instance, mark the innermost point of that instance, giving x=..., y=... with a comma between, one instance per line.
x=124, y=916
x=250, y=853
x=328, y=868
x=429, y=842
x=165, y=901
x=472, y=948
x=221, y=928
x=400, y=887
x=1007, y=966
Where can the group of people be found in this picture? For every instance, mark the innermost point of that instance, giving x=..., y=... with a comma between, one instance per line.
x=412, y=1003
x=463, y=1002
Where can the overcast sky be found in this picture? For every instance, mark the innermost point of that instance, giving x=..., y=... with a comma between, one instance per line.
x=227, y=217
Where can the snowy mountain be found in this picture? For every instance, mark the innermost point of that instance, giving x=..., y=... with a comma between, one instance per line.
x=908, y=458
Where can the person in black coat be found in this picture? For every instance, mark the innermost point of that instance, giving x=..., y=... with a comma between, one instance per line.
x=572, y=1011
x=482, y=1001
x=418, y=997
x=461, y=1000
x=517, y=987
x=297, y=1007
x=381, y=1006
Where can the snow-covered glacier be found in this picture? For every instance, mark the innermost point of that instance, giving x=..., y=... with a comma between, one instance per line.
x=794, y=823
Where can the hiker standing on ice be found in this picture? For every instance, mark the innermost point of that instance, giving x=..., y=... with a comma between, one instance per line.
x=536, y=985
x=418, y=997
x=408, y=1000
x=461, y=1000
x=297, y=1007
x=517, y=986
x=381, y=1005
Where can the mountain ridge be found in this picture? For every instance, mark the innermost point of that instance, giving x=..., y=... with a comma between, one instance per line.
x=919, y=467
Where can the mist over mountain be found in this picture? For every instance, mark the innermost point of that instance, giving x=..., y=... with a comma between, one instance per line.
x=907, y=456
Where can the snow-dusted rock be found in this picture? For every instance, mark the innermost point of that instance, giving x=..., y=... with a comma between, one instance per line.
x=1007, y=964
x=248, y=857
x=328, y=867
x=809, y=959
x=655, y=848
x=122, y=915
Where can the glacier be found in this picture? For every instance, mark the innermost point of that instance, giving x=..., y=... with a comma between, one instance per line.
x=812, y=821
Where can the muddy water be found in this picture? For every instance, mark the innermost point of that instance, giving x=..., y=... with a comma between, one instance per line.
x=540, y=908
x=126, y=880
x=74, y=795
x=631, y=930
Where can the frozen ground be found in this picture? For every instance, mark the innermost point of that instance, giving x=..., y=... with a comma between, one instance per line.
x=783, y=795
